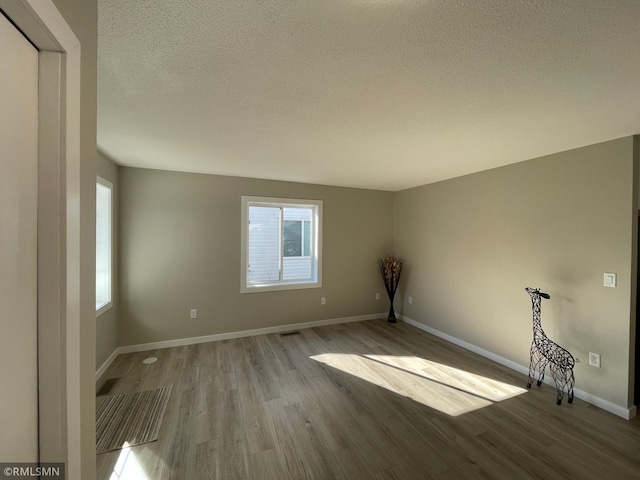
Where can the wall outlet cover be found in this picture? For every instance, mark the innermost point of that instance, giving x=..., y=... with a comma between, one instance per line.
x=610, y=280
x=594, y=359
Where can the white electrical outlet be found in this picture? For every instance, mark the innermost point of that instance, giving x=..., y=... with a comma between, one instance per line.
x=377, y=296
x=323, y=301
x=594, y=359
x=194, y=313
x=410, y=300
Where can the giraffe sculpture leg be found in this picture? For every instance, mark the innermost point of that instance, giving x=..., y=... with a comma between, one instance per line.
x=572, y=382
x=538, y=363
x=532, y=365
x=560, y=378
x=564, y=379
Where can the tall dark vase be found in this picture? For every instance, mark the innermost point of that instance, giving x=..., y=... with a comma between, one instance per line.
x=392, y=315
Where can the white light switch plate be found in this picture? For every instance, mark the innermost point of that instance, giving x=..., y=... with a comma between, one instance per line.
x=610, y=280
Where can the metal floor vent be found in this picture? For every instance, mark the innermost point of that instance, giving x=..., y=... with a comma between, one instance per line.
x=107, y=386
x=288, y=334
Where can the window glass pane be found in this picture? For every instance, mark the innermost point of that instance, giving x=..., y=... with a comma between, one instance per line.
x=264, y=244
x=292, y=238
x=103, y=245
x=306, y=238
x=295, y=266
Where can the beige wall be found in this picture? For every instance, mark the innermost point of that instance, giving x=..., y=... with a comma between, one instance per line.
x=107, y=323
x=180, y=249
x=472, y=245
x=82, y=17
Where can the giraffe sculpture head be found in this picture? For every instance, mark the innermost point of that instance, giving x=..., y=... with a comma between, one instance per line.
x=536, y=293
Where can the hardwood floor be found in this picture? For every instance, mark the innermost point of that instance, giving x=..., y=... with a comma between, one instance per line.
x=363, y=400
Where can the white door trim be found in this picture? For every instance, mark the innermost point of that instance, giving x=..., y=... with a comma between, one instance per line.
x=58, y=229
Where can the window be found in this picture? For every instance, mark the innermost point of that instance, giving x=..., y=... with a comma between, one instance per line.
x=281, y=244
x=104, y=191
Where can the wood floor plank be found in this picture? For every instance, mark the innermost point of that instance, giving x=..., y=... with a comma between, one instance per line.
x=254, y=417
x=291, y=458
x=265, y=465
x=282, y=351
x=310, y=439
x=365, y=440
x=321, y=411
x=366, y=400
x=263, y=373
x=208, y=465
x=225, y=376
x=388, y=474
x=182, y=421
x=398, y=440
x=235, y=447
x=351, y=465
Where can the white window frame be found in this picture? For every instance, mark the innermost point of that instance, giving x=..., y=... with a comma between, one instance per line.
x=106, y=306
x=315, y=247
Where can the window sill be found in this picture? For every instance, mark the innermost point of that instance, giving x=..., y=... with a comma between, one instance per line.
x=103, y=309
x=274, y=287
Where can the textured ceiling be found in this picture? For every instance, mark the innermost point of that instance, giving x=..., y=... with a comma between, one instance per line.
x=383, y=94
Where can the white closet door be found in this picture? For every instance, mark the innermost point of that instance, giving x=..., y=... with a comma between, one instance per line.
x=18, y=246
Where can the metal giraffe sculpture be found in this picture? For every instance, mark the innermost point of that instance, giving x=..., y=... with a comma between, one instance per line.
x=544, y=351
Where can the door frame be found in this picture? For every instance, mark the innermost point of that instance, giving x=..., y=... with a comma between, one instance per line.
x=59, y=353
x=634, y=377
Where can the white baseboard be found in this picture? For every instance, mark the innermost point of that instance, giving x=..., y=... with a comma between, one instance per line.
x=143, y=347
x=106, y=364
x=626, y=413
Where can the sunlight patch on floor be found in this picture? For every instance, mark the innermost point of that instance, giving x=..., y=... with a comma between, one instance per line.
x=128, y=467
x=450, y=390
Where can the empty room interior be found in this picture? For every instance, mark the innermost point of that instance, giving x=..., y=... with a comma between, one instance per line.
x=489, y=146
x=249, y=169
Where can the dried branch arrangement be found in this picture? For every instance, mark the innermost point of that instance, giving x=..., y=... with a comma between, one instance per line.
x=390, y=268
